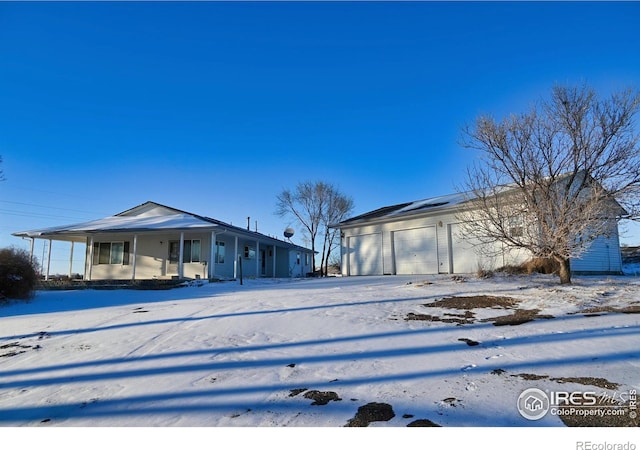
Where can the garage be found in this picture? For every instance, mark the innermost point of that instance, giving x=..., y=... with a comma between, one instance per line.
x=464, y=258
x=415, y=251
x=365, y=254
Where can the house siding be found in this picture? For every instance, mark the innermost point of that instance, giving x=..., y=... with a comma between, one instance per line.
x=455, y=253
x=298, y=269
x=603, y=256
x=441, y=256
x=152, y=258
x=410, y=224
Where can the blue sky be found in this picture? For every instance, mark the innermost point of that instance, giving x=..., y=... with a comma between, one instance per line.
x=215, y=107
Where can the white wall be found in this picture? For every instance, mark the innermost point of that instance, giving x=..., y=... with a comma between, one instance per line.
x=452, y=253
x=457, y=254
x=603, y=255
x=152, y=258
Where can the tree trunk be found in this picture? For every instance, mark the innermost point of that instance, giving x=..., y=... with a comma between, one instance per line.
x=565, y=270
x=322, y=260
x=326, y=262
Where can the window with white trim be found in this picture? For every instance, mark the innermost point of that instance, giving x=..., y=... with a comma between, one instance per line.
x=190, y=254
x=220, y=252
x=115, y=253
x=249, y=252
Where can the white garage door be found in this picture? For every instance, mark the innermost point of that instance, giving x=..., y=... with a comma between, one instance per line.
x=416, y=251
x=365, y=254
x=464, y=257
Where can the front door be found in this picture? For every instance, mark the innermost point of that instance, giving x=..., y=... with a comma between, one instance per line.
x=263, y=263
x=172, y=260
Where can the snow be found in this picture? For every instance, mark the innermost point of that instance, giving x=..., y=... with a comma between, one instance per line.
x=119, y=223
x=229, y=355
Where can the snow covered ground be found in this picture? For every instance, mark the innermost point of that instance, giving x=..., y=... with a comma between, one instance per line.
x=226, y=355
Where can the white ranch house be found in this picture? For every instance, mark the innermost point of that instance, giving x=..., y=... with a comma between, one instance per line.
x=422, y=237
x=153, y=241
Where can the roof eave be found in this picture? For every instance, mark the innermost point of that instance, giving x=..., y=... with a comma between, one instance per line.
x=403, y=216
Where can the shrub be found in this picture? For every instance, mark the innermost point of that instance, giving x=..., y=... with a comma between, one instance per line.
x=535, y=265
x=18, y=276
x=484, y=273
x=542, y=265
x=512, y=270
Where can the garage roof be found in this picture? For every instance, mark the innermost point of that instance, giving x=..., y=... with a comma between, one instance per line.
x=411, y=208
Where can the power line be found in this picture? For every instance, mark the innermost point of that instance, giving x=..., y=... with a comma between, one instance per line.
x=12, y=212
x=52, y=207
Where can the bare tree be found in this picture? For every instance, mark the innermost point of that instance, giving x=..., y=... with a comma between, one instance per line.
x=315, y=205
x=338, y=207
x=553, y=179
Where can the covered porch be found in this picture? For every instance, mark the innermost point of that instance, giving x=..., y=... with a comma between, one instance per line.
x=177, y=255
x=153, y=241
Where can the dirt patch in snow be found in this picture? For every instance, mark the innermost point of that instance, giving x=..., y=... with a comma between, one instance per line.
x=475, y=301
x=423, y=423
x=371, y=412
x=14, y=349
x=587, y=381
x=468, y=303
x=319, y=397
x=322, y=397
x=631, y=309
x=519, y=317
x=430, y=318
x=294, y=392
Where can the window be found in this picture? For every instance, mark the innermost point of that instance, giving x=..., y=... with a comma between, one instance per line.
x=219, y=252
x=298, y=259
x=249, y=252
x=194, y=249
x=111, y=253
x=117, y=253
x=516, y=226
x=191, y=251
x=306, y=259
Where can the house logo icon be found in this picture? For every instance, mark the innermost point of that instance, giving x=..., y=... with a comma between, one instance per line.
x=533, y=404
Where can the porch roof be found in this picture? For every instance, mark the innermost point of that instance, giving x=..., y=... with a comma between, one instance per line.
x=116, y=224
x=148, y=218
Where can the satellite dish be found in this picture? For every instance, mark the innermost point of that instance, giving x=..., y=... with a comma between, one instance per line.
x=288, y=233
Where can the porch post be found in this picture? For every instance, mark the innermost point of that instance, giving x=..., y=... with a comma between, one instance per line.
x=71, y=260
x=274, y=261
x=181, y=256
x=258, y=269
x=90, y=262
x=212, y=257
x=135, y=251
x=46, y=277
x=235, y=259
x=33, y=241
